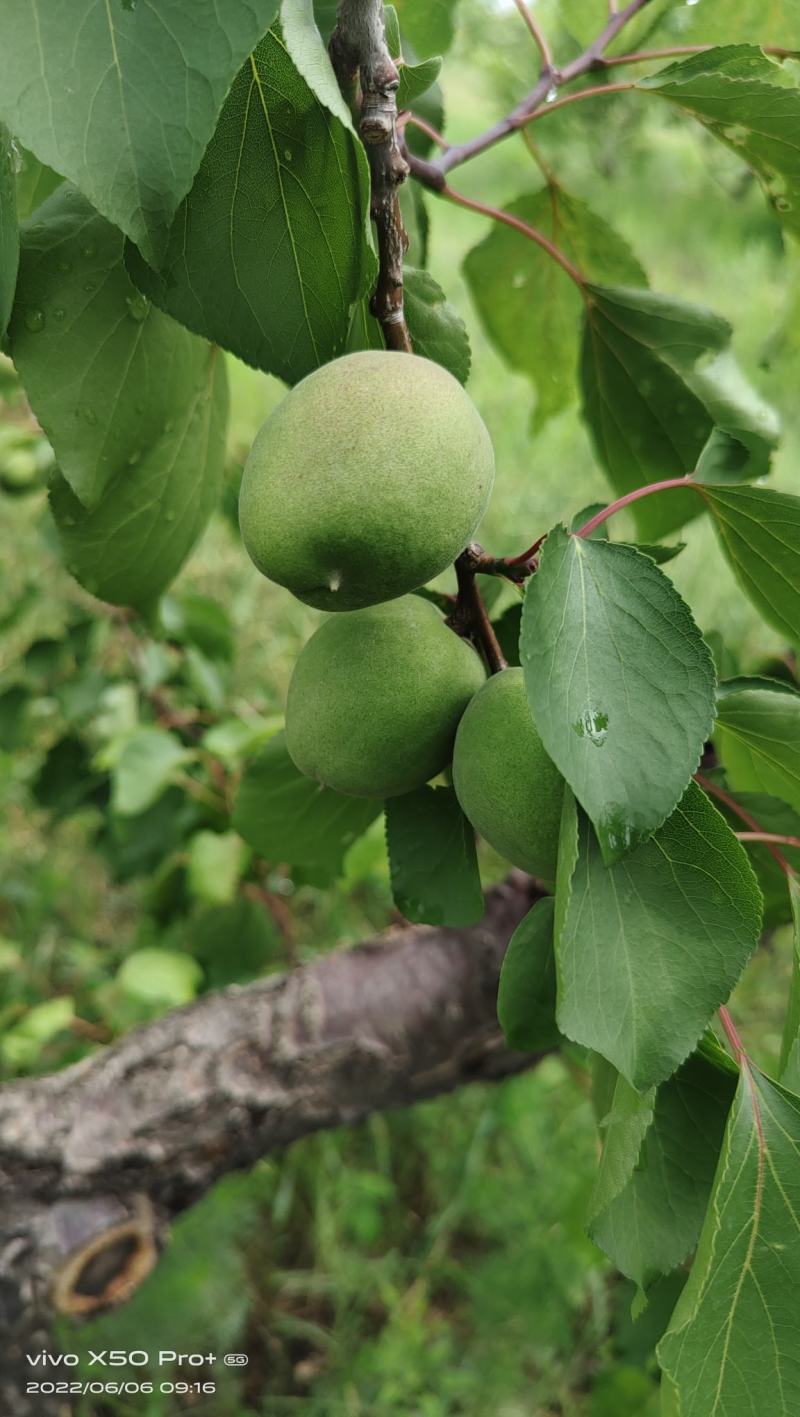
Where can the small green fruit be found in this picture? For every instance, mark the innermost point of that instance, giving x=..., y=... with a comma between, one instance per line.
x=507, y=786
x=376, y=697
x=366, y=481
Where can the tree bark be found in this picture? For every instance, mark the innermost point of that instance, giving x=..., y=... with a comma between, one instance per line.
x=96, y=1160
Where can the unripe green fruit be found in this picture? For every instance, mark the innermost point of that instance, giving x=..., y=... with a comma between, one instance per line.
x=366, y=481
x=508, y=787
x=376, y=697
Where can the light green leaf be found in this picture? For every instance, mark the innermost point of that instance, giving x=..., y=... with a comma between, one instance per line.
x=650, y=947
x=106, y=375
x=270, y=249
x=620, y=683
x=658, y=384
x=415, y=80
x=144, y=770
x=729, y=90
x=651, y=1222
x=22, y=1044
x=758, y=740
x=731, y=1345
x=122, y=99
x=160, y=976
x=526, y=995
x=9, y=232
x=529, y=308
x=759, y=532
x=429, y=24
x=624, y=1127
x=746, y=22
x=432, y=859
x=35, y=183
x=287, y=817
x=215, y=861
x=790, y=1044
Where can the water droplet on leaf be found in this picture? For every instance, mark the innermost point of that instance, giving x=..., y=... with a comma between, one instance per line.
x=138, y=306
x=34, y=320
x=59, y=313
x=592, y=724
x=89, y=250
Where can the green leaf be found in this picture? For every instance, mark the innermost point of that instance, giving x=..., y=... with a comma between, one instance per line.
x=620, y=683
x=772, y=815
x=22, y=1045
x=759, y=532
x=529, y=308
x=432, y=858
x=235, y=942
x=730, y=91
x=650, y=947
x=9, y=232
x=123, y=99
x=415, y=80
x=160, y=976
x=624, y=1126
x=198, y=620
x=652, y=1221
x=748, y=22
x=66, y=778
x=758, y=739
x=270, y=249
x=526, y=995
x=107, y=376
x=790, y=1043
x=437, y=330
x=731, y=1345
x=215, y=862
x=35, y=183
x=429, y=24
x=659, y=386
x=14, y=711
x=144, y=770
x=286, y=817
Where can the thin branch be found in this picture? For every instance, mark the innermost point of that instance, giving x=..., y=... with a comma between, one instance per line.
x=538, y=34
x=416, y=122
x=596, y=91
x=678, y=51
x=469, y=616
x=776, y=837
x=532, y=232
x=744, y=816
x=358, y=44
x=431, y=173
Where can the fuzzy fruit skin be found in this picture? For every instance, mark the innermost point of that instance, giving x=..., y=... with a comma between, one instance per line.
x=366, y=481
x=376, y=696
x=507, y=786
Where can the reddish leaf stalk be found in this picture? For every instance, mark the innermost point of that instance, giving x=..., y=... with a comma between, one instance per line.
x=532, y=232
x=744, y=816
x=634, y=496
x=732, y=1035
x=793, y=841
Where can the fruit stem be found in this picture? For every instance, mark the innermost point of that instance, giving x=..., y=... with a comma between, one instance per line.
x=470, y=618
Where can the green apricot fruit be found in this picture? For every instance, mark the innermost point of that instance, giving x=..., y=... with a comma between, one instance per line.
x=508, y=787
x=366, y=481
x=376, y=696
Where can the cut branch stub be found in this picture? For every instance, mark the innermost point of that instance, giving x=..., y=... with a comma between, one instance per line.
x=358, y=45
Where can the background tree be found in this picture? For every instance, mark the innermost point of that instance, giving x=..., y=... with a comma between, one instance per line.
x=246, y=195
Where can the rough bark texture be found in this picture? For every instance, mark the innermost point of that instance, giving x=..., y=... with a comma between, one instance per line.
x=97, y=1159
x=358, y=46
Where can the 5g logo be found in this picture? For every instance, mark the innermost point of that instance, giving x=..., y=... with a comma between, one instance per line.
x=236, y=1360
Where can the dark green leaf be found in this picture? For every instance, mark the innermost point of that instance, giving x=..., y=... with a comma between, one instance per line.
x=66, y=778
x=35, y=182
x=650, y=1223
x=507, y=630
x=731, y=92
x=123, y=99
x=790, y=1044
x=759, y=532
x=731, y=1345
x=758, y=740
x=14, y=703
x=9, y=232
x=287, y=817
x=432, y=859
x=198, y=620
x=526, y=997
x=234, y=942
x=772, y=815
x=270, y=249
x=620, y=683
x=529, y=308
x=107, y=376
x=437, y=330
x=659, y=386
x=650, y=947
x=415, y=80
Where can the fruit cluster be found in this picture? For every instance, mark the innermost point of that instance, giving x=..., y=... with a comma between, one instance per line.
x=354, y=518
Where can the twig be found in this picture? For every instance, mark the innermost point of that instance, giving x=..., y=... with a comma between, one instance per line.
x=431, y=174
x=777, y=837
x=469, y=616
x=596, y=91
x=532, y=232
x=539, y=37
x=358, y=45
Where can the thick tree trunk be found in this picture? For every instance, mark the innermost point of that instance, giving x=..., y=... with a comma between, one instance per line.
x=96, y=1160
